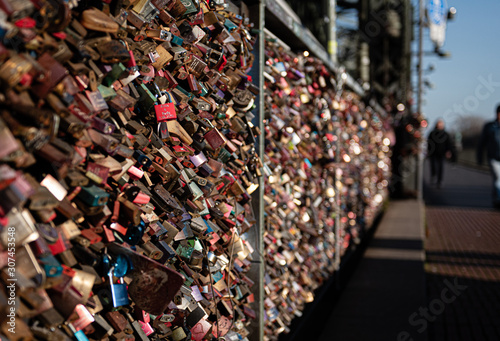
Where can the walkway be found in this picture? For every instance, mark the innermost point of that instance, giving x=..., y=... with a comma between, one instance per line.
x=388, y=285
x=462, y=248
x=430, y=272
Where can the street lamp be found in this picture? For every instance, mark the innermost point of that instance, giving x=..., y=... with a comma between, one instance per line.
x=442, y=54
x=438, y=53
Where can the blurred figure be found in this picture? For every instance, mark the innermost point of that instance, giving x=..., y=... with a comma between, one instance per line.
x=490, y=138
x=457, y=146
x=439, y=147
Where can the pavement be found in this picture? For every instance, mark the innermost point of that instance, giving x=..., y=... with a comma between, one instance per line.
x=430, y=272
x=461, y=187
x=388, y=285
x=462, y=248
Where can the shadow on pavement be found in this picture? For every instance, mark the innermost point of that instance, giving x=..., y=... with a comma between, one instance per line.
x=462, y=309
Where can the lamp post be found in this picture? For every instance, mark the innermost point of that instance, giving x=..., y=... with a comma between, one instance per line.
x=420, y=53
x=438, y=42
x=420, y=157
x=332, y=30
x=439, y=15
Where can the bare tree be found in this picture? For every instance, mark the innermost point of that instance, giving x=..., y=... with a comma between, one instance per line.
x=470, y=128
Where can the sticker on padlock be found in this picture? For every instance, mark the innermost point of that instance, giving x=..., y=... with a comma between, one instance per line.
x=165, y=111
x=153, y=285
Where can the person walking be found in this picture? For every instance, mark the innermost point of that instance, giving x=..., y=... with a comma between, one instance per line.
x=490, y=140
x=439, y=147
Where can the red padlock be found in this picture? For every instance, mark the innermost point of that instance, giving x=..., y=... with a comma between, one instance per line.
x=59, y=246
x=165, y=112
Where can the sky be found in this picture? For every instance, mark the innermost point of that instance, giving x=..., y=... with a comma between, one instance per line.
x=467, y=83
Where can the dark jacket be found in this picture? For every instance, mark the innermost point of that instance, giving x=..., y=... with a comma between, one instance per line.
x=438, y=143
x=490, y=138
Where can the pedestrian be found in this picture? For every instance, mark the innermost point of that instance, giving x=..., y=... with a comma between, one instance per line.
x=490, y=139
x=439, y=147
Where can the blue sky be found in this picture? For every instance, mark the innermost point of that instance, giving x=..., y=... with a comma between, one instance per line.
x=468, y=83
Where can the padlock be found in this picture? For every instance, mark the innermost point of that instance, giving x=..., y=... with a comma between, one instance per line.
x=107, y=142
x=129, y=211
x=134, y=233
x=42, y=333
x=56, y=74
x=118, y=322
x=17, y=191
x=83, y=281
x=152, y=250
x=118, y=290
x=202, y=105
x=76, y=178
x=91, y=236
x=104, y=325
x=81, y=317
x=20, y=230
x=93, y=19
x=142, y=159
x=166, y=111
x=215, y=139
x=93, y=196
x=176, y=129
x=68, y=258
x=135, y=127
x=33, y=301
x=113, y=52
x=146, y=328
x=139, y=332
x=65, y=297
x=51, y=266
x=167, y=199
x=144, y=288
x=103, y=126
x=178, y=52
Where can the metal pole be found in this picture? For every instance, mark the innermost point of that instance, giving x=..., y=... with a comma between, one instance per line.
x=420, y=52
x=256, y=273
x=337, y=204
x=338, y=242
x=332, y=30
x=419, y=100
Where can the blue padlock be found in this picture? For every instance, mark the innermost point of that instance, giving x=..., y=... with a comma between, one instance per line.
x=142, y=159
x=135, y=233
x=80, y=336
x=93, y=196
x=51, y=266
x=119, y=292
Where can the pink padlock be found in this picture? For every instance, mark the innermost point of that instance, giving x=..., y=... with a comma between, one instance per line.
x=141, y=198
x=135, y=172
x=84, y=318
x=146, y=328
